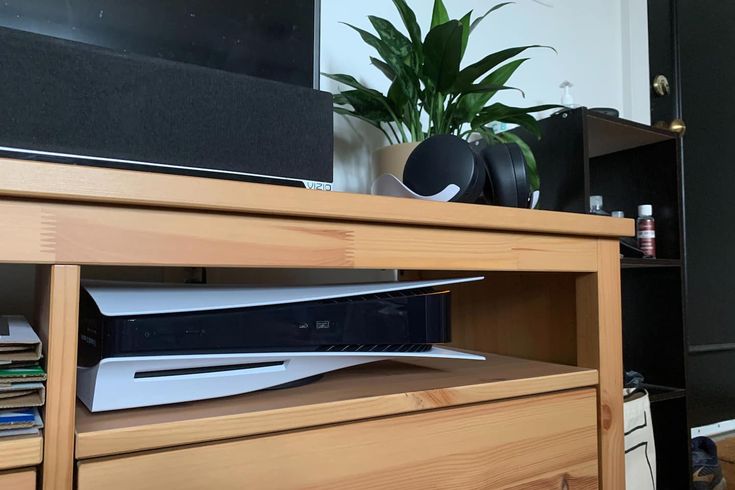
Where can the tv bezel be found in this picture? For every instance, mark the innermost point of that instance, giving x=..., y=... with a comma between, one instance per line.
x=317, y=43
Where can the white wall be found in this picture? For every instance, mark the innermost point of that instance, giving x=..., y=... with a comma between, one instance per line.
x=636, y=77
x=596, y=40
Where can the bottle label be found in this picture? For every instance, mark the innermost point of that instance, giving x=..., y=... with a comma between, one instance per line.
x=647, y=237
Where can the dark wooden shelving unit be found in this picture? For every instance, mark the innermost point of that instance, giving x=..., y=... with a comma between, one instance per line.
x=636, y=263
x=584, y=153
x=659, y=393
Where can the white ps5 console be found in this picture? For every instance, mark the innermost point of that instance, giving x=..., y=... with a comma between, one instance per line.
x=143, y=344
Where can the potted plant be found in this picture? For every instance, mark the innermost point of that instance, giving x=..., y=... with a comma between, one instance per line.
x=430, y=93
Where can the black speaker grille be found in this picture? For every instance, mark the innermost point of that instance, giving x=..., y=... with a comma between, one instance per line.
x=66, y=97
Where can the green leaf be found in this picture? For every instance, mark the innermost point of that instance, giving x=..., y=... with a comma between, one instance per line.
x=502, y=109
x=343, y=112
x=470, y=104
x=488, y=134
x=440, y=15
x=383, y=48
x=398, y=55
x=471, y=73
x=527, y=122
x=367, y=105
x=394, y=40
x=404, y=100
x=346, y=112
x=350, y=81
x=478, y=20
x=465, y=21
x=368, y=37
x=393, y=46
x=486, y=87
x=409, y=20
x=442, y=55
x=396, y=95
x=503, y=74
x=384, y=68
x=512, y=115
x=339, y=99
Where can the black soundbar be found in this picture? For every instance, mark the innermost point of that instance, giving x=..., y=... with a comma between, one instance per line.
x=70, y=102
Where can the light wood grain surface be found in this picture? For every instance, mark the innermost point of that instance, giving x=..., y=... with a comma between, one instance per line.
x=16, y=452
x=527, y=315
x=81, y=234
x=521, y=443
x=79, y=183
x=600, y=345
x=58, y=214
x=380, y=389
x=58, y=310
x=18, y=480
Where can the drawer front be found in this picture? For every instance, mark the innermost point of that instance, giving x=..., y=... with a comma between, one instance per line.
x=18, y=480
x=543, y=442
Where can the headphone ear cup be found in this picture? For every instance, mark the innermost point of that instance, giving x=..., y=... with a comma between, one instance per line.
x=519, y=167
x=506, y=167
x=443, y=160
x=477, y=193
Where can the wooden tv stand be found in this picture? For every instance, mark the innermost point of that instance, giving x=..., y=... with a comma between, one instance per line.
x=544, y=411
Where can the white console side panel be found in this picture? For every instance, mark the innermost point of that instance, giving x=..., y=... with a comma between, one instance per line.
x=127, y=299
x=113, y=385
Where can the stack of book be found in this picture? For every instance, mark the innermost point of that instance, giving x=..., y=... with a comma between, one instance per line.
x=22, y=391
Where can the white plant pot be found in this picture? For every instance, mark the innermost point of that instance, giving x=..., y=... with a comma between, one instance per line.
x=392, y=159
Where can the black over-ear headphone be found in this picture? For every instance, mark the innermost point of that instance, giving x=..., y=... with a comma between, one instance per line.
x=484, y=173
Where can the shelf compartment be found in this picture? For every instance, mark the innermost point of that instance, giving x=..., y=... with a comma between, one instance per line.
x=21, y=451
x=381, y=389
x=644, y=175
x=653, y=325
x=636, y=263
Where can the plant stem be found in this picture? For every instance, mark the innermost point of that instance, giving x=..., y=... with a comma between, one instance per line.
x=395, y=134
x=451, y=105
x=382, y=130
x=419, y=123
x=432, y=114
x=439, y=113
x=395, y=118
x=416, y=132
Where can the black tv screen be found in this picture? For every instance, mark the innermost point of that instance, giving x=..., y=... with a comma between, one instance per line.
x=273, y=39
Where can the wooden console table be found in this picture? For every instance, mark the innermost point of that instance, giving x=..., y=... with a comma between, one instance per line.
x=545, y=409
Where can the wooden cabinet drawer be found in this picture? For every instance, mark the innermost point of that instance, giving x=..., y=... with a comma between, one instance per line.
x=18, y=480
x=540, y=442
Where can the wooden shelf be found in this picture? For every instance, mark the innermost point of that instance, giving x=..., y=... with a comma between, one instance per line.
x=71, y=183
x=631, y=263
x=381, y=389
x=658, y=393
x=610, y=134
x=20, y=452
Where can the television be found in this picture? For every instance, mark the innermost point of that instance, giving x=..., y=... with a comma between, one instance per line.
x=271, y=39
